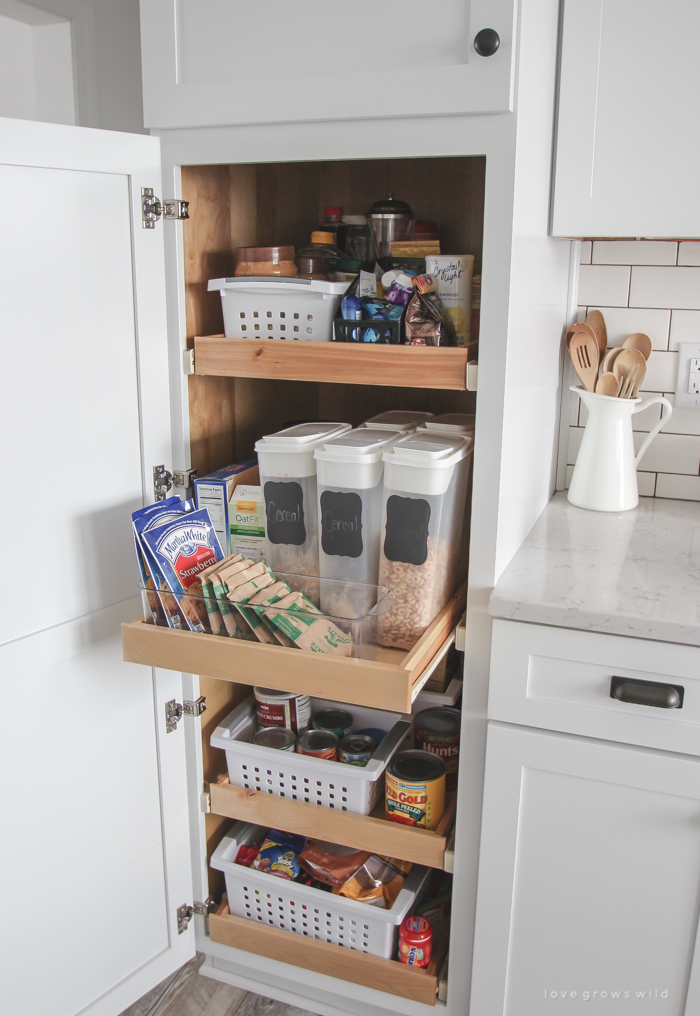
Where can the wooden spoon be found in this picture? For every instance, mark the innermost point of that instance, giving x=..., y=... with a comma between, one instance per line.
x=585, y=356
x=579, y=326
x=607, y=384
x=610, y=357
x=630, y=367
x=638, y=341
x=596, y=321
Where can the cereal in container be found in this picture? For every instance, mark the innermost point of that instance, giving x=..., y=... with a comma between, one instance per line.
x=426, y=479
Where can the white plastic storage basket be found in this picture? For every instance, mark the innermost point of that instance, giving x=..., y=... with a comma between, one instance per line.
x=279, y=903
x=303, y=777
x=258, y=307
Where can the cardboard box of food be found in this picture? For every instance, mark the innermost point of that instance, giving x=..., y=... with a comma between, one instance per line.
x=215, y=491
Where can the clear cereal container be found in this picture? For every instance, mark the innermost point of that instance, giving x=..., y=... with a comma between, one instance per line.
x=403, y=420
x=426, y=476
x=288, y=481
x=350, y=470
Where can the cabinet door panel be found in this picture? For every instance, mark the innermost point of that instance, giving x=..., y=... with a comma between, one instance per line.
x=589, y=879
x=627, y=139
x=231, y=62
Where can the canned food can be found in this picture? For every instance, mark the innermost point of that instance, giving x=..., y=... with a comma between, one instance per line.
x=356, y=749
x=276, y=737
x=437, y=730
x=282, y=709
x=415, y=789
x=338, y=721
x=319, y=743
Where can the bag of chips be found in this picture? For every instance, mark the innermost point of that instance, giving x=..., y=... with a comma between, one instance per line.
x=279, y=854
x=378, y=881
x=331, y=863
x=427, y=322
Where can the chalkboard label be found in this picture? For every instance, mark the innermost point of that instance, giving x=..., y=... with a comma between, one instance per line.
x=341, y=524
x=406, y=537
x=284, y=512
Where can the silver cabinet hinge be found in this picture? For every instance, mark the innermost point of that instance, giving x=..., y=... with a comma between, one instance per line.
x=152, y=208
x=185, y=913
x=164, y=480
x=174, y=711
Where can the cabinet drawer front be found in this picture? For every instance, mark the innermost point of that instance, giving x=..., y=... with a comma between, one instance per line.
x=560, y=679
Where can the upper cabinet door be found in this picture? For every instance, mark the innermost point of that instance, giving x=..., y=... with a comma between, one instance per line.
x=628, y=138
x=208, y=62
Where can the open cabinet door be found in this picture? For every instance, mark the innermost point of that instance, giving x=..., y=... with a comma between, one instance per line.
x=94, y=849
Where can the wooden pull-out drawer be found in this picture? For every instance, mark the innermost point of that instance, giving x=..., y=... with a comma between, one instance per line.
x=561, y=679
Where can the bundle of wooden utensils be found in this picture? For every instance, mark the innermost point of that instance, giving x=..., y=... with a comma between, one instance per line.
x=622, y=368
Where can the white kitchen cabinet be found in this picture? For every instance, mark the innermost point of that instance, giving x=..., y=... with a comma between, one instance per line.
x=627, y=144
x=211, y=62
x=589, y=882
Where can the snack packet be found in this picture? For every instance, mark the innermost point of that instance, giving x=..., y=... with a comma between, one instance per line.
x=183, y=548
x=302, y=622
x=378, y=881
x=253, y=611
x=220, y=590
x=246, y=855
x=247, y=583
x=331, y=863
x=216, y=621
x=427, y=322
x=279, y=854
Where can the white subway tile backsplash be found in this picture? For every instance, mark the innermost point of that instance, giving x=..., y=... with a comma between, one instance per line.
x=664, y=287
x=586, y=246
x=670, y=453
x=683, y=421
x=689, y=252
x=634, y=252
x=662, y=369
x=604, y=285
x=646, y=483
x=624, y=321
x=685, y=327
x=686, y=488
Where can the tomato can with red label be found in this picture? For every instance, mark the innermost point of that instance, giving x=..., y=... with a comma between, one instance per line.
x=319, y=743
x=415, y=789
x=437, y=730
x=282, y=709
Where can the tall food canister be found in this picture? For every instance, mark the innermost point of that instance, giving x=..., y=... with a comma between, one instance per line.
x=403, y=420
x=350, y=470
x=288, y=481
x=425, y=489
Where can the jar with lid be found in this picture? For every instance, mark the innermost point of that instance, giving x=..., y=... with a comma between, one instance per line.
x=389, y=220
x=358, y=245
x=319, y=258
x=334, y=223
x=265, y=261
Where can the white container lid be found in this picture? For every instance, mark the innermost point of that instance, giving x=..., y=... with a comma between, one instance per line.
x=277, y=284
x=354, y=460
x=403, y=420
x=451, y=423
x=290, y=452
x=423, y=463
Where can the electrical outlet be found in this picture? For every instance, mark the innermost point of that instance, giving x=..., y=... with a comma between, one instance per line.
x=688, y=382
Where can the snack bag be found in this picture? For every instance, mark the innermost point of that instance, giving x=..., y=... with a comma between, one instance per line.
x=427, y=322
x=164, y=606
x=183, y=549
x=378, y=881
x=279, y=854
x=303, y=623
x=253, y=611
x=216, y=621
x=247, y=583
x=331, y=863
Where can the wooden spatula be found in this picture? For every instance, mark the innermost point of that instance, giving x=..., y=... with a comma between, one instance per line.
x=596, y=321
x=585, y=356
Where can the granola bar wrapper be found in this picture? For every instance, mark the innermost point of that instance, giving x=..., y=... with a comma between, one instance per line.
x=164, y=607
x=183, y=549
x=216, y=621
x=427, y=322
x=309, y=629
x=254, y=613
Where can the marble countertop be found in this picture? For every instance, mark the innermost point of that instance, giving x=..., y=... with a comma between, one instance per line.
x=629, y=573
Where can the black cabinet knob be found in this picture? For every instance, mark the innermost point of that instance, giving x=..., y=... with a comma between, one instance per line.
x=486, y=42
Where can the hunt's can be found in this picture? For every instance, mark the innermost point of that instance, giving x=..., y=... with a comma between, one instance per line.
x=415, y=789
x=437, y=730
x=282, y=709
x=356, y=749
x=338, y=721
x=280, y=738
x=319, y=743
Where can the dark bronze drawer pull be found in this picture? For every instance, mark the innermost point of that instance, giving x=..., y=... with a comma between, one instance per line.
x=647, y=693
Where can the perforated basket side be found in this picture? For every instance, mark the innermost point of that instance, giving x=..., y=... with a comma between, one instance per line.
x=294, y=316
x=287, y=780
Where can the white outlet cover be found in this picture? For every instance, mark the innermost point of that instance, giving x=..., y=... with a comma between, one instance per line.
x=687, y=351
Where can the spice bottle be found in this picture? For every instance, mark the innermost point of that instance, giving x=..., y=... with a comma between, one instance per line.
x=333, y=223
x=415, y=941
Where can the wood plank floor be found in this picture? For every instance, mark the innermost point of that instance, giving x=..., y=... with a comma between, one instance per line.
x=187, y=993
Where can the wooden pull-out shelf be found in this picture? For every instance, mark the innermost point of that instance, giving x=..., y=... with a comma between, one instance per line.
x=333, y=960
x=365, y=832
x=343, y=362
x=384, y=685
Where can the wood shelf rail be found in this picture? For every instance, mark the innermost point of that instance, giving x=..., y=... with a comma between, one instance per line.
x=332, y=960
x=340, y=362
x=384, y=685
x=365, y=832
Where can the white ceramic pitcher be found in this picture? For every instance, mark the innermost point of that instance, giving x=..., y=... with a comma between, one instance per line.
x=605, y=474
